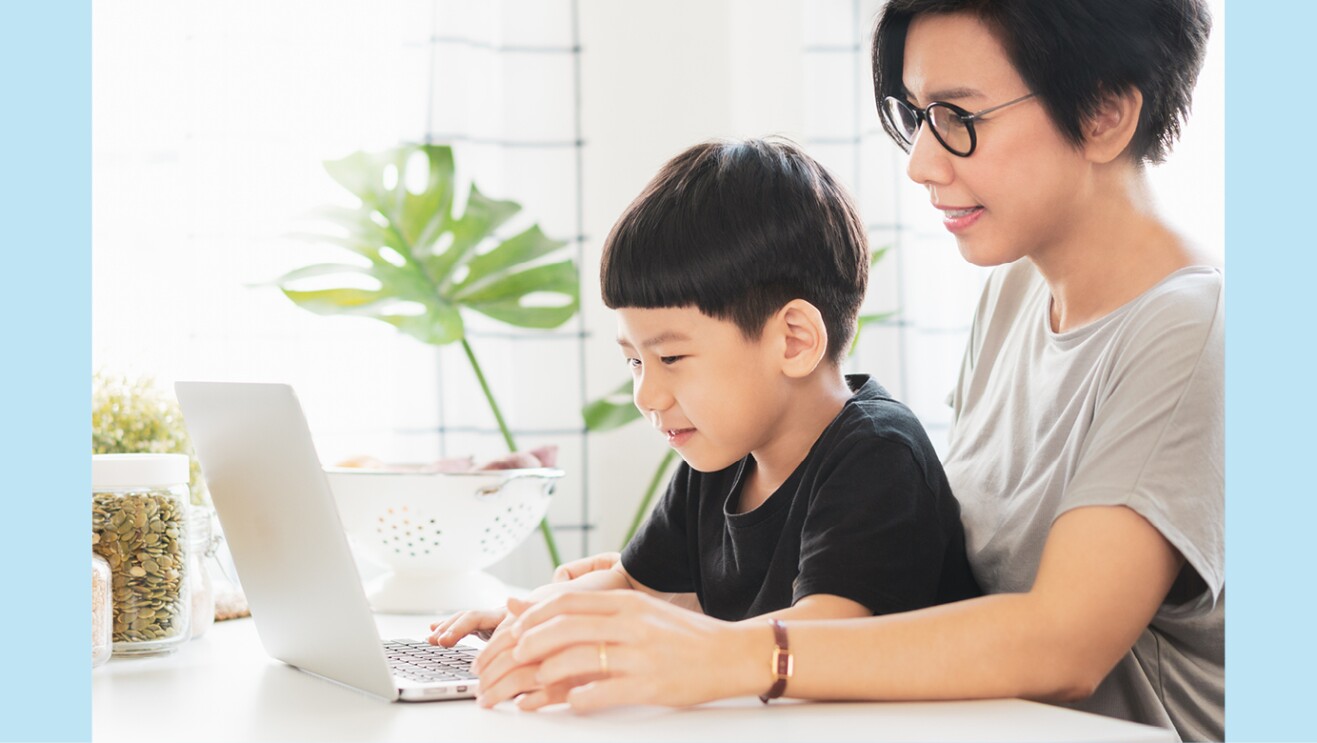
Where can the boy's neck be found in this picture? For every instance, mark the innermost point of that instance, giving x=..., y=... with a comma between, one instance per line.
x=813, y=404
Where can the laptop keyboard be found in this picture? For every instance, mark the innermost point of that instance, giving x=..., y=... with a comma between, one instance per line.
x=421, y=661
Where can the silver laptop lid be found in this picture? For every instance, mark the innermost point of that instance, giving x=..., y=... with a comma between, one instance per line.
x=283, y=528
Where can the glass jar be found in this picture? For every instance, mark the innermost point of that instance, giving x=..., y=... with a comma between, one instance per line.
x=204, y=543
x=139, y=525
x=102, y=610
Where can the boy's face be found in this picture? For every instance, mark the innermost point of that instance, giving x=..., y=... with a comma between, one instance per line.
x=713, y=394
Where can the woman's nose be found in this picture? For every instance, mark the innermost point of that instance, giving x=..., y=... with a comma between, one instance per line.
x=930, y=163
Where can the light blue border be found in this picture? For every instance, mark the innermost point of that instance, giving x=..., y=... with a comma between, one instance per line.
x=45, y=67
x=45, y=199
x=1271, y=254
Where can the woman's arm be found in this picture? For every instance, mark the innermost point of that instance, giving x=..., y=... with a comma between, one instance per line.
x=1103, y=573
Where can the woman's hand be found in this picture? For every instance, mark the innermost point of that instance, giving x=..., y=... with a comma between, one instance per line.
x=576, y=568
x=611, y=648
x=508, y=679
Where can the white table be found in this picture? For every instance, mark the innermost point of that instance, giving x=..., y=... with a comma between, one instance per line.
x=223, y=687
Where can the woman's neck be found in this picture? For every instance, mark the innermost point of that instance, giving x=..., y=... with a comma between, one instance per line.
x=1116, y=249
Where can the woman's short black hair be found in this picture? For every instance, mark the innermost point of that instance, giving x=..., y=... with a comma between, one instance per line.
x=737, y=229
x=1072, y=52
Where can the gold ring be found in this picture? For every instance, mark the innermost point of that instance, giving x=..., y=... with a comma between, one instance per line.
x=603, y=659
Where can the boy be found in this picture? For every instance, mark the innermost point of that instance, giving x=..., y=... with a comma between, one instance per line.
x=737, y=277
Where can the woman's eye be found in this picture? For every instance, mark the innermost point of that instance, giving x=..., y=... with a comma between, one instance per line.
x=669, y=360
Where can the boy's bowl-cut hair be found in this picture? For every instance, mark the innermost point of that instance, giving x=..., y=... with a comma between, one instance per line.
x=1071, y=52
x=737, y=229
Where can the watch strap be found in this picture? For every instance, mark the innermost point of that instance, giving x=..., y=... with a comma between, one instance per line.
x=782, y=663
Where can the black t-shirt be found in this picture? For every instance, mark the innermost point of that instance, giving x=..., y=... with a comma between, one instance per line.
x=868, y=516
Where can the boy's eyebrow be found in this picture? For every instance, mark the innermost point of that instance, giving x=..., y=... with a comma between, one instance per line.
x=666, y=336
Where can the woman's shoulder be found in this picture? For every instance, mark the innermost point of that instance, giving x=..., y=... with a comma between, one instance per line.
x=1192, y=290
x=1187, y=302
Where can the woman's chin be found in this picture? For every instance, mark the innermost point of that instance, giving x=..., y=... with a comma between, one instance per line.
x=982, y=254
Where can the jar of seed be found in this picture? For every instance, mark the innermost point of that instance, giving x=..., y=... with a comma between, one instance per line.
x=139, y=525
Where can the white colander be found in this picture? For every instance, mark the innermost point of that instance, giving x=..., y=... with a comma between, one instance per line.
x=436, y=532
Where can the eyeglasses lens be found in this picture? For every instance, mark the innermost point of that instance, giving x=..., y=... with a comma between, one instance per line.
x=903, y=119
x=951, y=129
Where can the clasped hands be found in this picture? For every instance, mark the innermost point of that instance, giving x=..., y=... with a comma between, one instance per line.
x=597, y=649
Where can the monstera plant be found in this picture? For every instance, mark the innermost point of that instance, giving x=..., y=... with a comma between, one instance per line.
x=422, y=265
x=616, y=409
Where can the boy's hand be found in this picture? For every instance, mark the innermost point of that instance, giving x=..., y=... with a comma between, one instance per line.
x=576, y=568
x=480, y=622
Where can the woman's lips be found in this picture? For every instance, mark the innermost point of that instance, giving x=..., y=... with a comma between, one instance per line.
x=960, y=219
x=679, y=436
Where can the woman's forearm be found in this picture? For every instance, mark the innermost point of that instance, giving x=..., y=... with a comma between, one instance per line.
x=1056, y=642
x=995, y=646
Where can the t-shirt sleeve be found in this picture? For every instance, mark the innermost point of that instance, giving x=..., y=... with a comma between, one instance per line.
x=873, y=532
x=1156, y=444
x=658, y=556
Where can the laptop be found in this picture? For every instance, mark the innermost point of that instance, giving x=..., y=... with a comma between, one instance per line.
x=291, y=553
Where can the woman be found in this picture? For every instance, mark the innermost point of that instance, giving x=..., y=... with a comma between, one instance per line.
x=1087, y=441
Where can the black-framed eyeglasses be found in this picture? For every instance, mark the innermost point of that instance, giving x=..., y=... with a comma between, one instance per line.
x=952, y=125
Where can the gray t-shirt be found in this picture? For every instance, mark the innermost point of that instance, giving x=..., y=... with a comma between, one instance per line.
x=1127, y=411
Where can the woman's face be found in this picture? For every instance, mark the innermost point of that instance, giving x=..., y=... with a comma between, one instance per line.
x=1019, y=193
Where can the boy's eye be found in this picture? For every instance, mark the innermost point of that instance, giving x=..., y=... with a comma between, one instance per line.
x=669, y=360
x=633, y=363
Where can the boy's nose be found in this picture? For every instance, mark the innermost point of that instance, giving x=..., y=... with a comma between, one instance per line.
x=649, y=396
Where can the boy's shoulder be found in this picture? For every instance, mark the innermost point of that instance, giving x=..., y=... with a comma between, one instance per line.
x=875, y=438
x=876, y=426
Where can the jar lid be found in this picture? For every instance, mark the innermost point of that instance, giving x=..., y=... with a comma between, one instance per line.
x=132, y=470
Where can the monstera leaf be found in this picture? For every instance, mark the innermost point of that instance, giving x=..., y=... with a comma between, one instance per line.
x=423, y=263
x=614, y=410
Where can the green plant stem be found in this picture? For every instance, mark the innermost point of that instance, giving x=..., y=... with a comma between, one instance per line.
x=545, y=530
x=654, y=483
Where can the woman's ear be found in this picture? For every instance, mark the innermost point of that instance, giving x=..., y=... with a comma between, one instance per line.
x=806, y=337
x=1109, y=131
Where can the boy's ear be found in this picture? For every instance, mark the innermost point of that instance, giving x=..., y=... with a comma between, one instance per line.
x=1109, y=131
x=806, y=337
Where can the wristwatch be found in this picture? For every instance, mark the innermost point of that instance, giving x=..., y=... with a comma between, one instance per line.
x=782, y=663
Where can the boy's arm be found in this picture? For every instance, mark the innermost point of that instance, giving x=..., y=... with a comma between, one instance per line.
x=608, y=561
x=609, y=579
x=818, y=606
